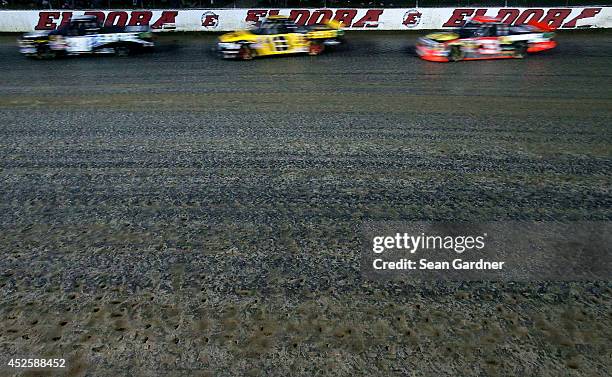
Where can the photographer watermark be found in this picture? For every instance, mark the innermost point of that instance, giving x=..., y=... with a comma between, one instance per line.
x=519, y=251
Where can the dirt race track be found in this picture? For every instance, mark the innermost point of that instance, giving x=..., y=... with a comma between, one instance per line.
x=176, y=214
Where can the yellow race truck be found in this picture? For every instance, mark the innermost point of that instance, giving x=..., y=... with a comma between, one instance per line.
x=279, y=35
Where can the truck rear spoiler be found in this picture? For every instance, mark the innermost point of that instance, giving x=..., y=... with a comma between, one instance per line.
x=334, y=24
x=541, y=25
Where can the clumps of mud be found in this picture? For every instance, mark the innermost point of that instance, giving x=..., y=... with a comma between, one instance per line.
x=512, y=333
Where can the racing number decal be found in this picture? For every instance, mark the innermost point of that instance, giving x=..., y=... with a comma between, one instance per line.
x=280, y=43
x=489, y=46
x=79, y=44
x=102, y=39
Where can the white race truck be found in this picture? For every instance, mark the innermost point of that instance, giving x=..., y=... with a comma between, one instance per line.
x=84, y=35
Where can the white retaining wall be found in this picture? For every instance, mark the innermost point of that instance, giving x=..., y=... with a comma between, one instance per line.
x=353, y=19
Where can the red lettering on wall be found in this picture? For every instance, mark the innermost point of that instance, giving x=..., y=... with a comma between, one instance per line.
x=457, y=19
x=167, y=17
x=586, y=13
x=320, y=16
x=529, y=15
x=46, y=20
x=255, y=15
x=370, y=19
x=99, y=15
x=508, y=15
x=480, y=12
x=346, y=16
x=299, y=16
x=554, y=17
x=140, y=18
x=66, y=17
x=116, y=19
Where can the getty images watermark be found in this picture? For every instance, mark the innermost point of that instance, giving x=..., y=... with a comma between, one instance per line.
x=423, y=242
x=518, y=251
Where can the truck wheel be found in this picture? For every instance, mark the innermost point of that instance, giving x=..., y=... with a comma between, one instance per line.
x=316, y=48
x=245, y=53
x=520, y=50
x=44, y=52
x=455, y=54
x=122, y=50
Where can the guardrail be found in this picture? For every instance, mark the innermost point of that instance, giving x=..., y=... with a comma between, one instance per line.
x=353, y=19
